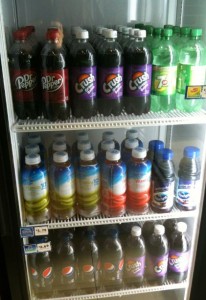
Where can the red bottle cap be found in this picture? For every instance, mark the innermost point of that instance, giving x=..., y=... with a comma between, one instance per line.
x=20, y=34
x=30, y=28
x=52, y=34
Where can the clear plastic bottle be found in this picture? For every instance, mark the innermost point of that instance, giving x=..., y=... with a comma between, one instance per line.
x=105, y=146
x=164, y=73
x=131, y=134
x=184, y=37
x=59, y=137
x=108, y=136
x=153, y=148
x=191, y=72
x=81, y=136
x=129, y=145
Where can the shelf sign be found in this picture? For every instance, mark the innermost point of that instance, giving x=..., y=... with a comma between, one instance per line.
x=41, y=230
x=37, y=248
x=30, y=231
x=30, y=248
x=195, y=92
x=44, y=247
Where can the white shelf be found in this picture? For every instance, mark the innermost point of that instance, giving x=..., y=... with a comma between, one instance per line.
x=100, y=122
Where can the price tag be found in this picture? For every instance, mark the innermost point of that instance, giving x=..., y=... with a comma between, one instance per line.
x=41, y=230
x=30, y=248
x=44, y=247
x=26, y=232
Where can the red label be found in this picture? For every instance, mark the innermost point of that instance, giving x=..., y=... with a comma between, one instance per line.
x=55, y=86
x=24, y=85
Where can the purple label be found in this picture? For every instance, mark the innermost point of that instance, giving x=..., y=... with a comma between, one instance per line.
x=178, y=262
x=138, y=80
x=84, y=82
x=111, y=82
x=157, y=266
x=135, y=266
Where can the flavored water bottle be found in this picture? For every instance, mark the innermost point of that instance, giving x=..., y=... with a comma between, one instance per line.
x=81, y=136
x=34, y=138
x=138, y=182
x=59, y=139
x=108, y=136
x=131, y=134
x=187, y=187
x=105, y=146
x=113, y=185
x=88, y=185
x=129, y=145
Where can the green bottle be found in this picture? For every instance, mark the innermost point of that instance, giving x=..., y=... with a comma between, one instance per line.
x=139, y=26
x=149, y=39
x=157, y=35
x=184, y=37
x=164, y=74
x=191, y=73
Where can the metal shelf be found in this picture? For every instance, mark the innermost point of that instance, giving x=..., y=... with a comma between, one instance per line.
x=78, y=221
x=100, y=122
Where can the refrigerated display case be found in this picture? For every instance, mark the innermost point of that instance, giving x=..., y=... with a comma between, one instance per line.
x=177, y=130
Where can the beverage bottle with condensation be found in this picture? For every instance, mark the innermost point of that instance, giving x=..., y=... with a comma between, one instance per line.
x=138, y=182
x=163, y=183
x=157, y=256
x=129, y=145
x=62, y=187
x=164, y=74
x=105, y=146
x=81, y=136
x=35, y=190
x=110, y=75
x=131, y=134
x=135, y=253
x=191, y=72
x=88, y=185
x=188, y=182
x=179, y=254
x=54, y=77
x=83, y=77
x=108, y=136
x=157, y=34
x=23, y=65
x=138, y=75
x=113, y=185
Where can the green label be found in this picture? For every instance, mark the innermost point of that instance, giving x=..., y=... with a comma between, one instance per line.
x=188, y=75
x=164, y=80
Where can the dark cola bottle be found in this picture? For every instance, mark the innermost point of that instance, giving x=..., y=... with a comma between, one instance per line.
x=83, y=77
x=23, y=65
x=54, y=77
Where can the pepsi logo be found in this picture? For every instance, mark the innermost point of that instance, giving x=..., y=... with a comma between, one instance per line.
x=34, y=272
x=67, y=271
x=47, y=272
x=184, y=195
x=109, y=267
x=88, y=268
x=121, y=264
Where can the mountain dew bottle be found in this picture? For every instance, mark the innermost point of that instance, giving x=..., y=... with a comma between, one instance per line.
x=164, y=73
x=191, y=73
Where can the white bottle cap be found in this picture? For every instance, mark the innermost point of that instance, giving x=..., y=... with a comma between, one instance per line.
x=34, y=138
x=125, y=30
x=75, y=29
x=32, y=149
x=104, y=31
x=111, y=34
x=59, y=137
x=32, y=159
x=113, y=155
x=131, y=134
x=139, y=152
x=132, y=31
x=84, y=145
x=159, y=229
x=181, y=227
x=87, y=155
x=83, y=34
x=136, y=231
x=120, y=29
x=140, y=33
x=82, y=136
x=107, y=145
x=108, y=136
x=131, y=143
x=60, y=157
x=99, y=30
x=59, y=146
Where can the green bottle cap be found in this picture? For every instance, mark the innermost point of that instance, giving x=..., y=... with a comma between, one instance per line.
x=149, y=29
x=168, y=32
x=157, y=31
x=196, y=32
x=139, y=25
x=176, y=29
x=168, y=26
x=185, y=31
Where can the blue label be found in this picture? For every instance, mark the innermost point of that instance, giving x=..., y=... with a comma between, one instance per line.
x=88, y=179
x=139, y=177
x=26, y=232
x=62, y=181
x=186, y=192
x=30, y=248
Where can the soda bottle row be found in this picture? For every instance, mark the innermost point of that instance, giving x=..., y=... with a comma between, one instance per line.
x=111, y=257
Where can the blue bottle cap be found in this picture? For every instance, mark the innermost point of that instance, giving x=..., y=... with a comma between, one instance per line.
x=156, y=145
x=167, y=154
x=191, y=152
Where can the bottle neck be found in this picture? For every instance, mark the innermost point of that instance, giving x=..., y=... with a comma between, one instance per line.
x=113, y=162
x=110, y=40
x=139, y=39
x=82, y=40
x=197, y=38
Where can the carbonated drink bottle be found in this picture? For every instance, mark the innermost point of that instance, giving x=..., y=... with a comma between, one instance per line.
x=110, y=75
x=138, y=182
x=23, y=64
x=149, y=39
x=157, y=258
x=179, y=254
x=128, y=42
x=88, y=185
x=191, y=72
x=129, y=145
x=170, y=228
x=134, y=258
x=113, y=184
x=83, y=77
x=148, y=229
x=108, y=136
x=125, y=36
x=54, y=77
x=105, y=146
x=62, y=187
x=187, y=186
x=35, y=190
x=163, y=182
x=138, y=71
x=112, y=261
x=157, y=34
x=164, y=74
x=184, y=37
x=139, y=25
x=131, y=134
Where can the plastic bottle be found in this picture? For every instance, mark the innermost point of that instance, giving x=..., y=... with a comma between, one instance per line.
x=59, y=139
x=129, y=145
x=138, y=71
x=157, y=34
x=164, y=74
x=128, y=42
x=187, y=187
x=35, y=190
x=179, y=254
x=131, y=134
x=125, y=36
x=35, y=139
x=54, y=78
x=149, y=30
x=62, y=187
x=23, y=64
x=154, y=147
x=108, y=136
x=138, y=182
x=83, y=77
x=170, y=228
x=113, y=185
x=112, y=261
x=110, y=76
x=191, y=72
x=88, y=185
x=105, y=146
x=157, y=256
x=89, y=263
x=184, y=37
x=163, y=182
x=134, y=258
x=148, y=229
x=81, y=136
x=81, y=146
x=139, y=25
